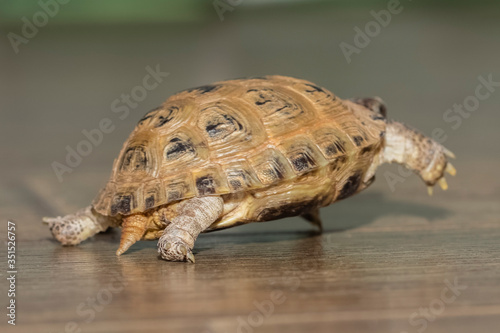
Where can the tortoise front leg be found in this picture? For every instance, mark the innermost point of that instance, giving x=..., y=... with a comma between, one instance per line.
x=421, y=154
x=193, y=216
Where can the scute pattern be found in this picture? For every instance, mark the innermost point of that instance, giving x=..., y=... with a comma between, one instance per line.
x=238, y=135
x=271, y=166
x=303, y=154
x=181, y=149
x=228, y=129
x=210, y=180
x=280, y=110
x=332, y=142
x=240, y=176
x=166, y=115
x=179, y=186
x=134, y=159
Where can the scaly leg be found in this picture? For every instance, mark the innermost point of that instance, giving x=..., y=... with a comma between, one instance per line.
x=424, y=156
x=73, y=229
x=193, y=216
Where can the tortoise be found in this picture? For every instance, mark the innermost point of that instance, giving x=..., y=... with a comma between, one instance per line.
x=241, y=151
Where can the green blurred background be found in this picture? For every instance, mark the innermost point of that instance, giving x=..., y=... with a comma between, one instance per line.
x=65, y=79
x=162, y=11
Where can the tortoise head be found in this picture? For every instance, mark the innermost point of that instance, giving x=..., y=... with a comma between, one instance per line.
x=376, y=104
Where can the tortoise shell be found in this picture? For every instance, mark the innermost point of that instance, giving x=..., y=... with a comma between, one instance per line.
x=232, y=136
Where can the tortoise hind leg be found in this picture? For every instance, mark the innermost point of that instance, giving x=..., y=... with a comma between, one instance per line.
x=313, y=217
x=193, y=216
x=73, y=229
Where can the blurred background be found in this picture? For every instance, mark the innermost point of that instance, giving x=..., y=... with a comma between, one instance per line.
x=65, y=66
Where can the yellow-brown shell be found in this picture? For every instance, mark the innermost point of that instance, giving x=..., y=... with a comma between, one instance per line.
x=231, y=136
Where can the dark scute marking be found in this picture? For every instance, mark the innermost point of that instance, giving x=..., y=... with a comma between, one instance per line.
x=121, y=205
x=237, y=178
x=303, y=162
x=366, y=150
x=331, y=149
x=174, y=196
x=377, y=116
x=340, y=146
x=358, y=140
x=204, y=89
x=334, y=148
x=215, y=130
x=351, y=186
x=278, y=168
x=127, y=158
x=273, y=170
x=286, y=210
x=205, y=185
x=135, y=159
x=262, y=98
x=212, y=129
x=235, y=183
x=314, y=88
x=150, y=202
x=262, y=102
x=281, y=108
x=337, y=164
x=149, y=115
x=163, y=120
x=178, y=147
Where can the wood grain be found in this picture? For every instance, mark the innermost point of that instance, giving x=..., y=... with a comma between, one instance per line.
x=371, y=269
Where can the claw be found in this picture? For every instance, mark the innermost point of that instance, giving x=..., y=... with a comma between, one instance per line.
x=449, y=153
x=451, y=169
x=190, y=257
x=187, y=252
x=52, y=220
x=47, y=219
x=444, y=185
x=429, y=190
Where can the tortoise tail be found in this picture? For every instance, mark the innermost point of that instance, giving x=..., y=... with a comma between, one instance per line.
x=133, y=228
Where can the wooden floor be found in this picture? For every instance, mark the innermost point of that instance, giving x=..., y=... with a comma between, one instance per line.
x=390, y=260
